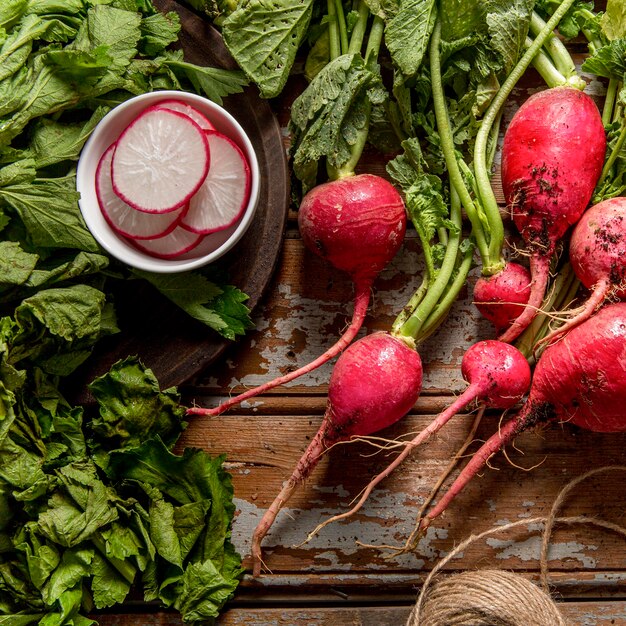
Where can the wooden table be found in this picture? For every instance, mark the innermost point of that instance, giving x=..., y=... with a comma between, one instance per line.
x=332, y=580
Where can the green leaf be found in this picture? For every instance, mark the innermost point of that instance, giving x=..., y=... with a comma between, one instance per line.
x=69, y=313
x=107, y=586
x=60, y=268
x=158, y=31
x=115, y=30
x=608, y=61
x=11, y=11
x=613, y=21
x=80, y=506
x=132, y=407
x=204, y=592
x=508, y=26
x=16, y=265
x=328, y=115
x=264, y=36
x=461, y=18
x=219, y=308
x=49, y=209
x=53, y=141
x=407, y=33
x=213, y=82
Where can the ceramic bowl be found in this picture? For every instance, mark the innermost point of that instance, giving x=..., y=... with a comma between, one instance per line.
x=213, y=246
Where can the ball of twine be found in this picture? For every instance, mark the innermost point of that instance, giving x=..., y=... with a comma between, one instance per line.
x=497, y=597
x=486, y=598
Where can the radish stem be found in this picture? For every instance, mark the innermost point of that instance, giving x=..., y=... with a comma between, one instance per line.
x=361, y=303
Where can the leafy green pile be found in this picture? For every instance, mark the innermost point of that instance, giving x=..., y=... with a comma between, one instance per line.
x=63, y=65
x=92, y=508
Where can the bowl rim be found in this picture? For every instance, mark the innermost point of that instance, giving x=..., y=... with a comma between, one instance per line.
x=113, y=243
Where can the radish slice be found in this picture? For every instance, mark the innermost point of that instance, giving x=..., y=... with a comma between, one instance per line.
x=160, y=161
x=223, y=196
x=122, y=218
x=172, y=245
x=187, y=109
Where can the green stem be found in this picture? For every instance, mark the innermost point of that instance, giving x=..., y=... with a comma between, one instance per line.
x=341, y=23
x=594, y=41
x=447, y=143
x=617, y=148
x=543, y=64
x=493, y=140
x=374, y=42
x=411, y=305
x=494, y=261
x=609, y=101
x=557, y=51
x=358, y=32
x=565, y=287
x=413, y=325
x=440, y=312
x=333, y=31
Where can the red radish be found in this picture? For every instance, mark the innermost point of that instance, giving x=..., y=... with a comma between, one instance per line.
x=501, y=297
x=498, y=375
x=160, y=161
x=122, y=218
x=374, y=383
x=357, y=223
x=580, y=379
x=552, y=157
x=597, y=253
x=170, y=246
x=224, y=194
x=188, y=110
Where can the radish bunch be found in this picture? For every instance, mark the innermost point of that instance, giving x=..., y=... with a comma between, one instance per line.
x=580, y=379
x=171, y=179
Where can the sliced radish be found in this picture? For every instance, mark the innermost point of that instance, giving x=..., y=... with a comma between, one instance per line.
x=187, y=109
x=122, y=218
x=172, y=245
x=160, y=161
x=225, y=192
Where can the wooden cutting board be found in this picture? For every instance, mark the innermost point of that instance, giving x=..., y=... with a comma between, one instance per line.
x=173, y=345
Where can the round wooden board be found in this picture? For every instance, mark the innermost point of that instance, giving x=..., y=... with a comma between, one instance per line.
x=173, y=345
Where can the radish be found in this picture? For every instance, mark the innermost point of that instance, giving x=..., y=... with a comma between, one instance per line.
x=498, y=375
x=552, y=158
x=374, y=383
x=500, y=297
x=123, y=218
x=224, y=194
x=188, y=110
x=597, y=253
x=357, y=223
x=160, y=161
x=174, y=244
x=580, y=379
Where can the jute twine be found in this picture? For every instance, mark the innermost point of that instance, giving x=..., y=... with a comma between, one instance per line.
x=497, y=597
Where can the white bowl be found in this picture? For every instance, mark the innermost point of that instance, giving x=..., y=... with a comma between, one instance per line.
x=107, y=131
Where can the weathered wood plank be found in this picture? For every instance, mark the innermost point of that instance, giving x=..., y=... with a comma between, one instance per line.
x=596, y=613
x=262, y=450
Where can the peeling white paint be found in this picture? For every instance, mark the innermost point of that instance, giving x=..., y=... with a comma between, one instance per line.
x=335, y=544
x=529, y=550
x=492, y=505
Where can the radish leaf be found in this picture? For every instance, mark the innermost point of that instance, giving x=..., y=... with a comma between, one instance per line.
x=219, y=308
x=264, y=36
x=327, y=116
x=408, y=33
